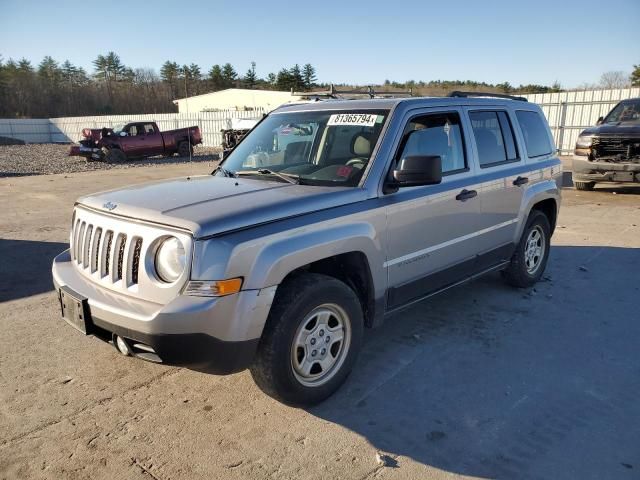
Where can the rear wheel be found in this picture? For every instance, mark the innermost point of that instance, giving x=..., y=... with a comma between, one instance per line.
x=311, y=340
x=584, y=185
x=185, y=149
x=530, y=258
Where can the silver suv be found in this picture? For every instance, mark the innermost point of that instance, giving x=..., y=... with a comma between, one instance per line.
x=326, y=218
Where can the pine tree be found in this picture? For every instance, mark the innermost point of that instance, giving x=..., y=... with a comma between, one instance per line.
x=215, y=78
x=309, y=76
x=635, y=76
x=229, y=75
x=250, y=78
x=297, y=80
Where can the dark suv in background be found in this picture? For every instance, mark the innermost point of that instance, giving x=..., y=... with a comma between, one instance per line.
x=610, y=151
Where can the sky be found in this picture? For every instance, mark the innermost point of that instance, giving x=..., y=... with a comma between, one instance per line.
x=354, y=42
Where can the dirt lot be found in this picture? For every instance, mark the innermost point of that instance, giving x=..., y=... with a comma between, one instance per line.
x=482, y=381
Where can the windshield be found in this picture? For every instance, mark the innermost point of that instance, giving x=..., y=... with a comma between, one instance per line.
x=317, y=148
x=118, y=128
x=625, y=112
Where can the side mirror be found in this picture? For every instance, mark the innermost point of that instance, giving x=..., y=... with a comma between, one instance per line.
x=123, y=134
x=600, y=121
x=418, y=170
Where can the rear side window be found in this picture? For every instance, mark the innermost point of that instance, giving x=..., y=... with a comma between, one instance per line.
x=535, y=133
x=437, y=134
x=494, y=137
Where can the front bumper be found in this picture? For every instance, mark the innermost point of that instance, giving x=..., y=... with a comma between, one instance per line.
x=218, y=335
x=86, y=152
x=586, y=171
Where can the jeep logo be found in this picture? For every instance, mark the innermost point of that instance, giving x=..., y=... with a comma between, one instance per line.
x=110, y=206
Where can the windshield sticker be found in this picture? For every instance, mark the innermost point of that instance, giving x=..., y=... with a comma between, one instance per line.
x=359, y=119
x=344, y=171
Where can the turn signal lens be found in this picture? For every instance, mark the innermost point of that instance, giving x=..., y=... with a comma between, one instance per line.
x=216, y=288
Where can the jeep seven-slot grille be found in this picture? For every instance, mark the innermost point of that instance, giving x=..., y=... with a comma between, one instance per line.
x=106, y=254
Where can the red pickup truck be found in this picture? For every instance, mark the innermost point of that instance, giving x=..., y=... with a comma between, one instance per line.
x=135, y=140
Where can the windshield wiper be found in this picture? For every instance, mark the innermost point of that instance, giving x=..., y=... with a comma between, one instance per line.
x=225, y=172
x=265, y=171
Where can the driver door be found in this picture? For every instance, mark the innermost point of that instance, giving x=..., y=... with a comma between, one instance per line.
x=431, y=229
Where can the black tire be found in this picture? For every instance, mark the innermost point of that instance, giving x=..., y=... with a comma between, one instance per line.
x=185, y=149
x=115, y=155
x=584, y=185
x=517, y=273
x=296, y=300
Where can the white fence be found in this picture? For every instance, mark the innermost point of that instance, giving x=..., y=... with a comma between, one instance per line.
x=68, y=129
x=569, y=113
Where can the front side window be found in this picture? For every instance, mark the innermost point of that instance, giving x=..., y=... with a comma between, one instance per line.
x=534, y=130
x=436, y=135
x=494, y=137
x=316, y=148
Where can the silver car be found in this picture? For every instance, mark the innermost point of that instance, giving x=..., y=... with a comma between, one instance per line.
x=326, y=218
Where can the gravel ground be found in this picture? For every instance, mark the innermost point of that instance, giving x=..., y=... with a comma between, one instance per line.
x=44, y=159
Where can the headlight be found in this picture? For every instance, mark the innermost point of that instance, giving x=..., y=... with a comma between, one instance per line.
x=584, y=141
x=170, y=260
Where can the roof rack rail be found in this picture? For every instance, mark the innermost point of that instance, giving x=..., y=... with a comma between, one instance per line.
x=486, y=94
x=333, y=92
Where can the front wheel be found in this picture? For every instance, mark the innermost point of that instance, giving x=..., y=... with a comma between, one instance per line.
x=311, y=340
x=530, y=258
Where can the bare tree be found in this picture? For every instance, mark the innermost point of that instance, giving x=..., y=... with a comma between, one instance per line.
x=615, y=79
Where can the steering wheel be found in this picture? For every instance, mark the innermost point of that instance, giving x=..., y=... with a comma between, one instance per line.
x=355, y=161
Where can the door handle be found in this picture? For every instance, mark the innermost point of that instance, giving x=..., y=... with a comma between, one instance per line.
x=520, y=181
x=466, y=195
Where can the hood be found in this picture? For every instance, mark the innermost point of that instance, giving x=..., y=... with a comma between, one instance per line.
x=208, y=205
x=622, y=129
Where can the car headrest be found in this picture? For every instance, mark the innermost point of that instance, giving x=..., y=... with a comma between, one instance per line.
x=361, y=146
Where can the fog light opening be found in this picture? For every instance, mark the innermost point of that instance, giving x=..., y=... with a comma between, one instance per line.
x=122, y=346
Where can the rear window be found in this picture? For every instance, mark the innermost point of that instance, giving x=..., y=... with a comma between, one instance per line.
x=534, y=130
x=494, y=137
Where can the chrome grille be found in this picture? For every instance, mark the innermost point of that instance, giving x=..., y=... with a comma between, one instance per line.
x=114, y=252
x=88, y=250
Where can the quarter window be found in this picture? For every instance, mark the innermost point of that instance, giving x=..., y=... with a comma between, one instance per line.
x=439, y=134
x=494, y=137
x=535, y=133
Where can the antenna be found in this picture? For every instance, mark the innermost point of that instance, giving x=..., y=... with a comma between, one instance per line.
x=186, y=97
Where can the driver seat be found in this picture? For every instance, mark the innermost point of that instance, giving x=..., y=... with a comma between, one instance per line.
x=361, y=149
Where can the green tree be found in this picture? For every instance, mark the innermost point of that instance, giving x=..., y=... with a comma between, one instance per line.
x=308, y=76
x=284, y=80
x=505, y=87
x=49, y=71
x=297, y=80
x=216, y=79
x=170, y=74
x=229, y=75
x=635, y=76
x=250, y=78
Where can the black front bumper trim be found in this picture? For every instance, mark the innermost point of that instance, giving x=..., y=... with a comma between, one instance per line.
x=196, y=351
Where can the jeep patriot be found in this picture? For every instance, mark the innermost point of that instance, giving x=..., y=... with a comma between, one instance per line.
x=323, y=220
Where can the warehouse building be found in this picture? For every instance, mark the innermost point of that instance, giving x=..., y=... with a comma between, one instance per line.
x=235, y=99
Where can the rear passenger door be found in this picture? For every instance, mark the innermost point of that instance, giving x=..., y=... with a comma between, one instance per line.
x=502, y=182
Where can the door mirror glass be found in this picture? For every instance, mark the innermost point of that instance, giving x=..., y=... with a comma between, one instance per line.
x=418, y=170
